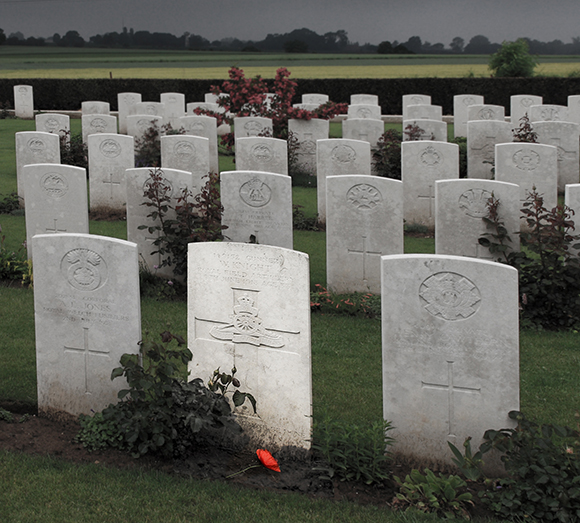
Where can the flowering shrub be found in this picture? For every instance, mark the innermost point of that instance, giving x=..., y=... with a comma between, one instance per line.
x=247, y=97
x=355, y=304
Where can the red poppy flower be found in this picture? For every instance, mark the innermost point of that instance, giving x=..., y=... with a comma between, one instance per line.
x=268, y=460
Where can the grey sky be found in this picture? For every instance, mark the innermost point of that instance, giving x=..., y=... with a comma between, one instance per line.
x=369, y=21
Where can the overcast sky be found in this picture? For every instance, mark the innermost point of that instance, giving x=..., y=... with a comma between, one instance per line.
x=371, y=21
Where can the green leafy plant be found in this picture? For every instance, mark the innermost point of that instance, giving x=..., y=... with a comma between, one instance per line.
x=386, y=157
x=14, y=265
x=354, y=304
x=6, y=416
x=544, y=471
x=9, y=203
x=4, y=110
x=301, y=222
x=73, y=151
x=354, y=452
x=470, y=464
x=161, y=412
x=549, y=272
x=444, y=495
x=513, y=60
x=196, y=219
x=525, y=132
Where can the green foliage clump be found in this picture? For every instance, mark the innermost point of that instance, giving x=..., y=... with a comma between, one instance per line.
x=9, y=203
x=513, y=60
x=544, y=467
x=354, y=452
x=386, y=157
x=301, y=222
x=14, y=265
x=161, y=412
x=354, y=304
x=196, y=219
x=441, y=494
x=73, y=151
x=549, y=271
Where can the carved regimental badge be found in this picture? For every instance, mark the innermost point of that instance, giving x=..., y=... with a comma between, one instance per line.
x=253, y=128
x=255, y=193
x=184, y=151
x=364, y=112
x=84, y=269
x=51, y=125
x=36, y=147
x=430, y=156
x=246, y=327
x=110, y=148
x=526, y=160
x=450, y=296
x=474, y=202
x=343, y=154
x=262, y=153
x=98, y=125
x=54, y=184
x=364, y=197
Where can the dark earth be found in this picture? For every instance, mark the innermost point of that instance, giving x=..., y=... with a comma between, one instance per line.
x=41, y=436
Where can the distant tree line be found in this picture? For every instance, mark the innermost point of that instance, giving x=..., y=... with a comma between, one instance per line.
x=297, y=41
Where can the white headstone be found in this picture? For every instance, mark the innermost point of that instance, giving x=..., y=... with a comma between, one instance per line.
x=171, y=185
x=482, y=137
x=315, y=98
x=431, y=129
x=364, y=221
x=549, y=113
x=423, y=163
x=486, y=112
x=362, y=99
x=573, y=108
x=245, y=126
x=414, y=99
x=520, y=106
x=53, y=123
x=92, y=107
x=126, y=103
x=529, y=165
x=109, y=156
x=365, y=129
x=461, y=205
x=149, y=109
x=339, y=156
x=572, y=200
x=186, y=153
x=257, y=207
x=35, y=147
x=87, y=315
x=256, y=153
x=307, y=132
x=174, y=107
x=364, y=111
x=450, y=352
x=460, y=104
x=565, y=137
x=206, y=127
x=56, y=200
x=23, y=102
x=249, y=308
x=98, y=123
x=139, y=124
x=424, y=112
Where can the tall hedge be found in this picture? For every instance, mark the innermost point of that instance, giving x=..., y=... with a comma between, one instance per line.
x=55, y=94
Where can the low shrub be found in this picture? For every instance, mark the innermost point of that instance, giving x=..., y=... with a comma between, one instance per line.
x=354, y=304
x=544, y=472
x=353, y=452
x=161, y=412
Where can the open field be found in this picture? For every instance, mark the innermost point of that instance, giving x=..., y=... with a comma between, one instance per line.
x=50, y=62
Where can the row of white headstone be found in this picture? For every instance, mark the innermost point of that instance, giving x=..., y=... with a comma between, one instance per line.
x=447, y=374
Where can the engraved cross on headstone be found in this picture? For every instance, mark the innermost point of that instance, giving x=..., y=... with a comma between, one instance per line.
x=431, y=198
x=55, y=230
x=364, y=253
x=87, y=351
x=111, y=183
x=451, y=388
